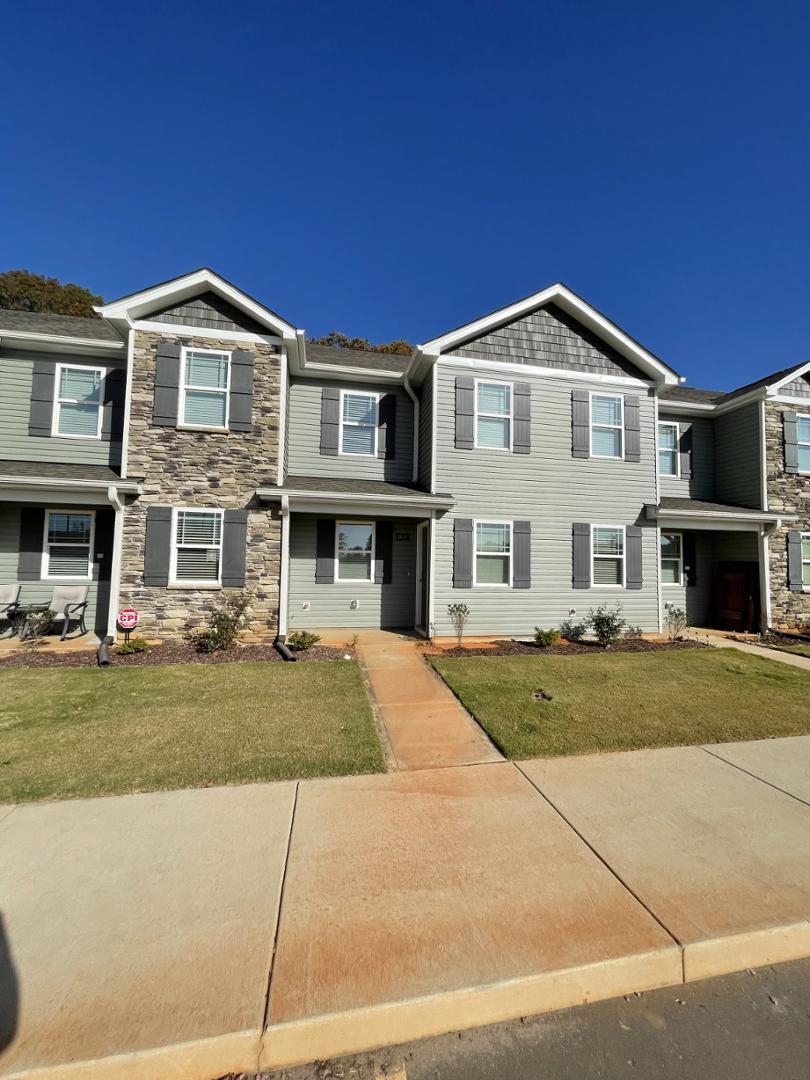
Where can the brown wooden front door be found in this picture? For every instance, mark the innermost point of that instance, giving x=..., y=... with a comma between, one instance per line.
x=736, y=600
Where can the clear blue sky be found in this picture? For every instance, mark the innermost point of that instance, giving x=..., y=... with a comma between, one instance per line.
x=394, y=170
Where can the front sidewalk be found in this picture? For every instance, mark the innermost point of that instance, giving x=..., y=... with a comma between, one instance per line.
x=193, y=933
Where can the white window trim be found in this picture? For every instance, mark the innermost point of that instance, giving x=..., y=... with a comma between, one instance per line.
x=801, y=442
x=622, y=557
x=346, y=521
x=356, y=423
x=611, y=427
x=679, y=584
x=492, y=584
x=675, y=449
x=803, y=562
x=58, y=401
x=510, y=416
x=181, y=402
x=45, y=567
x=189, y=583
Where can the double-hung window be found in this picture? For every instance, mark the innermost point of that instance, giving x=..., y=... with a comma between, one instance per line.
x=204, y=388
x=803, y=437
x=196, y=556
x=493, y=415
x=668, y=456
x=68, y=548
x=607, y=425
x=806, y=559
x=358, y=423
x=355, y=550
x=607, y=555
x=671, y=559
x=493, y=553
x=78, y=401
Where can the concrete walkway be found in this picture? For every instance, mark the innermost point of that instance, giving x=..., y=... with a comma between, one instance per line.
x=193, y=933
x=425, y=725
x=720, y=642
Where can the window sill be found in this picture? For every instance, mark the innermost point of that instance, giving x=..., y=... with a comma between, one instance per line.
x=195, y=586
x=194, y=427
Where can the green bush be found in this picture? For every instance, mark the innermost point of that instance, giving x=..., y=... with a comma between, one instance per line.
x=572, y=631
x=546, y=638
x=608, y=624
x=223, y=626
x=459, y=614
x=134, y=645
x=301, y=639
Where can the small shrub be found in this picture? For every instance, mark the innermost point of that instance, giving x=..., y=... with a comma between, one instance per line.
x=572, y=631
x=38, y=624
x=302, y=639
x=134, y=645
x=546, y=638
x=676, y=621
x=459, y=614
x=633, y=633
x=223, y=626
x=608, y=624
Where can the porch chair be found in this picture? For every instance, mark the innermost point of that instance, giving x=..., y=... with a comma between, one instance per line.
x=9, y=606
x=68, y=604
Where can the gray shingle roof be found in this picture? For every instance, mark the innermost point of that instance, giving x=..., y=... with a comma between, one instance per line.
x=691, y=394
x=671, y=502
x=331, y=485
x=57, y=470
x=74, y=326
x=357, y=358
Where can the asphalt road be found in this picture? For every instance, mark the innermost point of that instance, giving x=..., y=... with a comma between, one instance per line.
x=750, y=1026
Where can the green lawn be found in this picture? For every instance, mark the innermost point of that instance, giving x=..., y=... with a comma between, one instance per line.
x=801, y=649
x=72, y=732
x=625, y=701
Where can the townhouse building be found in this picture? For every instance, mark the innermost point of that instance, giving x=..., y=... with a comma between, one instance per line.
x=532, y=464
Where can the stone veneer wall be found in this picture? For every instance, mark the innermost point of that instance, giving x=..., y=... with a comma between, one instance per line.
x=205, y=469
x=789, y=493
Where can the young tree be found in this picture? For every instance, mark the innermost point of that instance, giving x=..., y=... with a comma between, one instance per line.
x=20, y=290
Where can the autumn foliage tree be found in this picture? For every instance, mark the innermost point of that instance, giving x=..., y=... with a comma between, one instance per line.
x=20, y=290
x=336, y=340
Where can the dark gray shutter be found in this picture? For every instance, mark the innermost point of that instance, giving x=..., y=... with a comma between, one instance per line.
x=462, y=553
x=794, y=546
x=158, y=546
x=325, y=552
x=29, y=559
x=522, y=555
x=387, y=426
x=167, y=383
x=112, y=416
x=582, y=555
x=580, y=424
x=234, y=546
x=383, y=552
x=791, y=437
x=465, y=413
x=690, y=559
x=685, y=452
x=522, y=437
x=330, y=420
x=240, y=409
x=632, y=428
x=632, y=557
x=40, y=417
x=102, y=567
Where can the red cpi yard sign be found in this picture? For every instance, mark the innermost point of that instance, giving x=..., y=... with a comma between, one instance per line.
x=128, y=618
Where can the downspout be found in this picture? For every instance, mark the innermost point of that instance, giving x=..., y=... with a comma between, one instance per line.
x=410, y=392
x=284, y=569
x=115, y=569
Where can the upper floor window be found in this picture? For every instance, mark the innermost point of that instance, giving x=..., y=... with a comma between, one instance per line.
x=493, y=415
x=607, y=425
x=358, y=423
x=668, y=457
x=805, y=558
x=204, y=388
x=493, y=553
x=607, y=555
x=671, y=558
x=68, y=548
x=196, y=555
x=803, y=437
x=77, y=406
x=355, y=550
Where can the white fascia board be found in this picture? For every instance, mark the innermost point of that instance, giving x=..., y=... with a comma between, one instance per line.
x=774, y=388
x=182, y=288
x=575, y=306
x=394, y=505
x=688, y=407
x=205, y=332
x=126, y=487
x=349, y=374
x=669, y=517
x=498, y=367
x=59, y=343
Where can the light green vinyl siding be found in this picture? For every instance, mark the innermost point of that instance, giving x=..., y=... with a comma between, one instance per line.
x=304, y=436
x=16, y=369
x=738, y=456
x=552, y=490
x=701, y=485
x=389, y=605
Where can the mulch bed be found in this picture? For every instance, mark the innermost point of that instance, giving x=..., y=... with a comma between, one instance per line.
x=570, y=648
x=773, y=639
x=31, y=657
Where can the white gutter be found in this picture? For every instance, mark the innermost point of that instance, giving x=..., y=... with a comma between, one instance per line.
x=60, y=339
x=409, y=391
x=115, y=569
x=756, y=517
x=434, y=501
x=129, y=487
x=284, y=580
